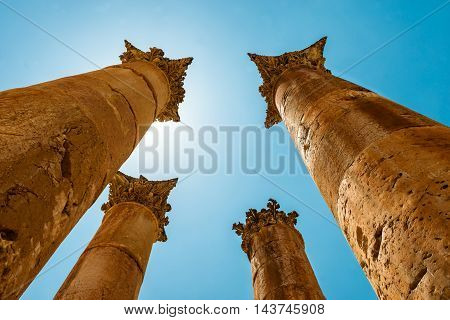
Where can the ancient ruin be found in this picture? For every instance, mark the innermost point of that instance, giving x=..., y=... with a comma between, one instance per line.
x=382, y=168
x=62, y=141
x=114, y=263
x=276, y=251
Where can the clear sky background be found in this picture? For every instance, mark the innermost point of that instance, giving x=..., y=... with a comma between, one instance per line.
x=202, y=258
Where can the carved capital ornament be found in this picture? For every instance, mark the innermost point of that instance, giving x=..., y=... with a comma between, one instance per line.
x=256, y=220
x=175, y=70
x=271, y=67
x=152, y=194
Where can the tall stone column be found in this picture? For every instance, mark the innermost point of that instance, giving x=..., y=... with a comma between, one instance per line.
x=382, y=168
x=114, y=263
x=276, y=250
x=60, y=144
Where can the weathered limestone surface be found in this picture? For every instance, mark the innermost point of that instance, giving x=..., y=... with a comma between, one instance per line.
x=114, y=263
x=382, y=168
x=276, y=250
x=60, y=144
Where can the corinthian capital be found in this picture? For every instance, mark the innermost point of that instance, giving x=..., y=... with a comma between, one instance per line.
x=271, y=67
x=152, y=194
x=260, y=219
x=175, y=70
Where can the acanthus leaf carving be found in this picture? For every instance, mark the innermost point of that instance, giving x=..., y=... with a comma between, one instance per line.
x=271, y=67
x=152, y=194
x=256, y=220
x=175, y=70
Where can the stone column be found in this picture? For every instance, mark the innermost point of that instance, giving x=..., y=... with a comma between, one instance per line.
x=60, y=144
x=276, y=250
x=114, y=263
x=382, y=168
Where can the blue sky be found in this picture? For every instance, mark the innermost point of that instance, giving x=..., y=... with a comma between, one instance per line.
x=202, y=258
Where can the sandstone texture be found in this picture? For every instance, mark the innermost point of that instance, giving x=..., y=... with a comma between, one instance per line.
x=276, y=250
x=113, y=265
x=62, y=141
x=382, y=168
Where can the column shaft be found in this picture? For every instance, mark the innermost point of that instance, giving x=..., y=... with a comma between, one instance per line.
x=382, y=168
x=114, y=263
x=280, y=267
x=60, y=144
x=276, y=250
